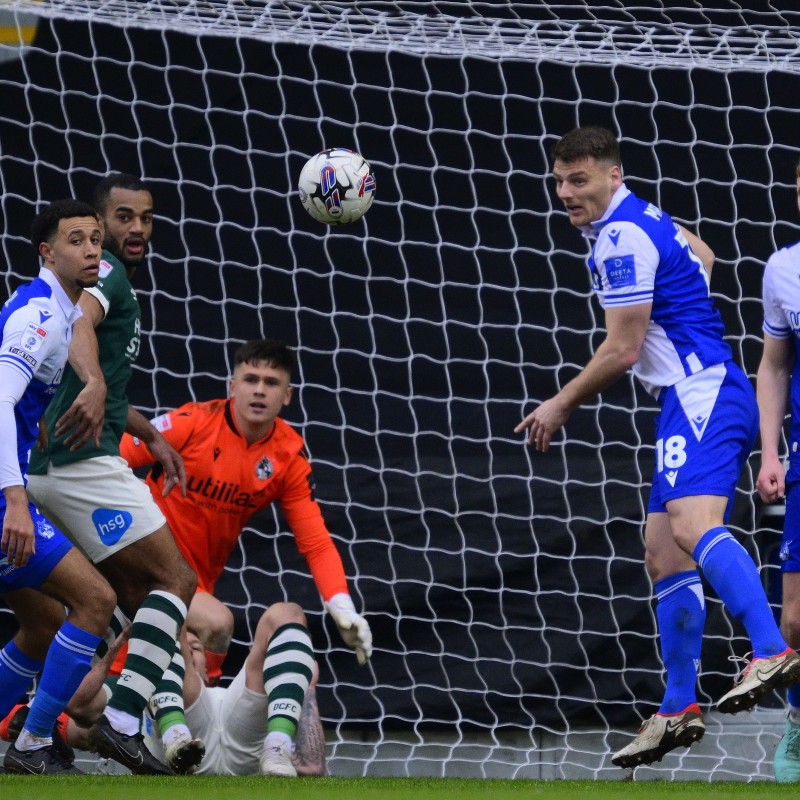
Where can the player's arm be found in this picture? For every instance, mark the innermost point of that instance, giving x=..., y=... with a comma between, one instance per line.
x=314, y=542
x=90, y=698
x=772, y=391
x=699, y=248
x=18, y=538
x=309, y=743
x=174, y=470
x=626, y=328
x=83, y=420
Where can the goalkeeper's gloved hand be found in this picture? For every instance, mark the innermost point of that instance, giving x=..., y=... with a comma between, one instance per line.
x=353, y=628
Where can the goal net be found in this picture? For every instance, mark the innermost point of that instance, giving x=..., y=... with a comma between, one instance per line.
x=512, y=616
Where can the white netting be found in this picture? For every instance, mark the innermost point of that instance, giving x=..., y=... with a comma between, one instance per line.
x=506, y=590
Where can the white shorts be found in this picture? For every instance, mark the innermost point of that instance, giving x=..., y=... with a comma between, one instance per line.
x=232, y=722
x=70, y=496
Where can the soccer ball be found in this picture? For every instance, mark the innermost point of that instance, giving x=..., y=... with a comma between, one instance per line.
x=336, y=186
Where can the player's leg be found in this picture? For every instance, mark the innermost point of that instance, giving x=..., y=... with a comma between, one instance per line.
x=183, y=752
x=731, y=571
x=153, y=561
x=710, y=431
x=74, y=582
x=212, y=622
x=281, y=663
x=39, y=618
x=787, y=754
x=124, y=533
x=681, y=616
x=680, y=611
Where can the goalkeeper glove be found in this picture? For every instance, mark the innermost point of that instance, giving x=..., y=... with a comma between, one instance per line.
x=353, y=628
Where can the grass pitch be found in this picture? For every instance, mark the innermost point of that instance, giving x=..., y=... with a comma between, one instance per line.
x=131, y=787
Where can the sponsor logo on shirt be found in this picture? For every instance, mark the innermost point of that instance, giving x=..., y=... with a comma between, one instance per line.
x=111, y=524
x=105, y=268
x=33, y=337
x=620, y=271
x=23, y=355
x=220, y=492
x=162, y=423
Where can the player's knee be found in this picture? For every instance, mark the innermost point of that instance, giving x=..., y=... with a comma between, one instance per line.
x=96, y=605
x=185, y=581
x=177, y=577
x=216, y=629
x=283, y=614
x=790, y=623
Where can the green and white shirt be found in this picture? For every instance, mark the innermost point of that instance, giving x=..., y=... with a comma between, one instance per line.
x=119, y=337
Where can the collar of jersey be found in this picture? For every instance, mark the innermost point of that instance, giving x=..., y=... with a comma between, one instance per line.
x=591, y=230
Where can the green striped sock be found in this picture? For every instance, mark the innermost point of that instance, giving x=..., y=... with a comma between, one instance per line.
x=288, y=668
x=151, y=647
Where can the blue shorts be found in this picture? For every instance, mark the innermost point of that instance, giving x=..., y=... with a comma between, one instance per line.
x=51, y=547
x=706, y=429
x=790, y=544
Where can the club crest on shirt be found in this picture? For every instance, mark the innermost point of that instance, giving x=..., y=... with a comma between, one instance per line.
x=33, y=337
x=264, y=469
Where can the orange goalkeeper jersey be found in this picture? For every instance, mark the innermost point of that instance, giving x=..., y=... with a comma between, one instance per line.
x=228, y=481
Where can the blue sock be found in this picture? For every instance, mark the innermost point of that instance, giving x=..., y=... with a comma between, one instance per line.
x=17, y=672
x=733, y=574
x=793, y=696
x=681, y=613
x=68, y=660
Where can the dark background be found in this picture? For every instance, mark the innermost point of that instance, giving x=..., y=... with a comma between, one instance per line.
x=503, y=587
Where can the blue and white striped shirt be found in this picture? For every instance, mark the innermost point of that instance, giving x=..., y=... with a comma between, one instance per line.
x=36, y=329
x=641, y=256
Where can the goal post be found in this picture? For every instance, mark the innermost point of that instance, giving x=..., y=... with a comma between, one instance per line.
x=512, y=616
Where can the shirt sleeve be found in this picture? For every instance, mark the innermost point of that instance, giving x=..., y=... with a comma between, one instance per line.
x=14, y=384
x=775, y=322
x=25, y=347
x=175, y=426
x=310, y=532
x=626, y=260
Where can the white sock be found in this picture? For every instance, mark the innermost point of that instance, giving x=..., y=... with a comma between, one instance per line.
x=276, y=739
x=173, y=733
x=122, y=721
x=28, y=741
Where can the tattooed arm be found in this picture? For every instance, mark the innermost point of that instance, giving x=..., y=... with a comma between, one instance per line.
x=309, y=749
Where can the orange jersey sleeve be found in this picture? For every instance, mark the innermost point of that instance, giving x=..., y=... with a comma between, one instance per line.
x=175, y=426
x=310, y=532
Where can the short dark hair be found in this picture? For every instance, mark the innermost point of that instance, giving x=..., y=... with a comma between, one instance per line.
x=45, y=224
x=274, y=352
x=116, y=180
x=589, y=142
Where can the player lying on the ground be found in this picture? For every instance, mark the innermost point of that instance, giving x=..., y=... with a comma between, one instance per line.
x=265, y=722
